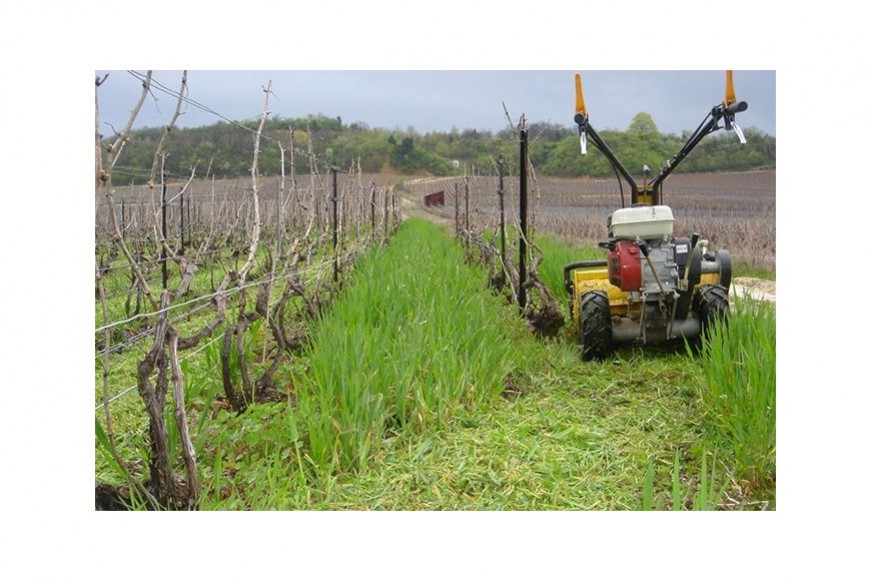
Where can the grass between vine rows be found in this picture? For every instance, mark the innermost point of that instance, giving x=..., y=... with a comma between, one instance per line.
x=422, y=390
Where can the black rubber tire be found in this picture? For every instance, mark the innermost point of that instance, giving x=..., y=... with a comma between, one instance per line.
x=724, y=259
x=711, y=306
x=596, y=333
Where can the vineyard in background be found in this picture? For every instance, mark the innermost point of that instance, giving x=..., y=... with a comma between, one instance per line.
x=734, y=211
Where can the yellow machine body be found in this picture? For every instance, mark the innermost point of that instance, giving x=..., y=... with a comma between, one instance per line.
x=591, y=279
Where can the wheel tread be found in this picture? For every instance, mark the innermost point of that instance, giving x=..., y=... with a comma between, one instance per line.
x=596, y=335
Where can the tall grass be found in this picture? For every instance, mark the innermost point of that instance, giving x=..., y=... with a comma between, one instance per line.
x=557, y=255
x=414, y=338
x=706, y=496
x=739, y=361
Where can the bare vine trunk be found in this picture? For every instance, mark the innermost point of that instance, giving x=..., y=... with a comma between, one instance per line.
x=239, y=399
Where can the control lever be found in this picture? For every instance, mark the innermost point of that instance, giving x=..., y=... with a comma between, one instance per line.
x=731, y=106
x=580, y=116
x=739, y=133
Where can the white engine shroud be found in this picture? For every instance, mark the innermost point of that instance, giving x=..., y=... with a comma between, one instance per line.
x=648, y=222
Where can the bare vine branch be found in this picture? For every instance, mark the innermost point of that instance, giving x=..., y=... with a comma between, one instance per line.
x=115, y=148
x=159, y=151
x=105, y=178
x=255, y=188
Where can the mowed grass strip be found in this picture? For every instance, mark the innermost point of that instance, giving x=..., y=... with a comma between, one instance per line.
x=412, y=340
x=580, y=437
x=566, y=435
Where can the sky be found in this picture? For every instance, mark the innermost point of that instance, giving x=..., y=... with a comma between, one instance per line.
x=441, y=100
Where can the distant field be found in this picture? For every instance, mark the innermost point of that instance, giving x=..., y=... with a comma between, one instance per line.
x=734, y=211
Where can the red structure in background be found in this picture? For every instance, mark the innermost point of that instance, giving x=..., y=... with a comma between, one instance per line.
x=434, y=199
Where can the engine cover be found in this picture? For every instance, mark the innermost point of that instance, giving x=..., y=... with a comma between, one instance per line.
x=624, y=266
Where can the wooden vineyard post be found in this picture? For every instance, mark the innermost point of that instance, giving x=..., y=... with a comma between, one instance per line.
x=386, y=218
x=373, y=209
x=524, y=207
x=279, y=230
x=189, y=222
x=181, y=208
x=163, y=256
x=466, y=206
x=501, y=193
x=456, y=205
x=335, y=171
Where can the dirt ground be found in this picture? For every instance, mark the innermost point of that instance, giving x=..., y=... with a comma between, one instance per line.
x=755, y=287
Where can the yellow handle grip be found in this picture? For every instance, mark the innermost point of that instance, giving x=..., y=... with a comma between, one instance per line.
x=579, y=104
x=730, y=96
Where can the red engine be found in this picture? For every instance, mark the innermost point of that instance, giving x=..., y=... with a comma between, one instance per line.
x=623, y=266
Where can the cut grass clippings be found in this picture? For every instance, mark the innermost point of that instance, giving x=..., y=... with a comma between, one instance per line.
x=580, y=437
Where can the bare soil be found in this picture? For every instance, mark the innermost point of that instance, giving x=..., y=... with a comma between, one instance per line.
x=754, y=287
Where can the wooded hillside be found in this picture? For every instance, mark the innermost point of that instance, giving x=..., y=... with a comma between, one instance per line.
x=224, y=149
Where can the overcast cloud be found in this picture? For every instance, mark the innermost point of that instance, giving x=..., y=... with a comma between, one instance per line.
x=442, y=100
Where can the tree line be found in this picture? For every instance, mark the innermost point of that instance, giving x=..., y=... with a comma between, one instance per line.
x=225, y=149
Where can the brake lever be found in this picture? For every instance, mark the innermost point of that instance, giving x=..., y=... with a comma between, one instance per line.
x=739, y=133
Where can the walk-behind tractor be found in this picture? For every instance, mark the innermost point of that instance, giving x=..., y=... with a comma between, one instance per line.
x=653, y=287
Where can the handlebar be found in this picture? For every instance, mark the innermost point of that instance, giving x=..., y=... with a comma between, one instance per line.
x=724, y=111
x=736, y=108
x=728, y=113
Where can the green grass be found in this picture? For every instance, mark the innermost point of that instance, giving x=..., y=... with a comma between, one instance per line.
x=742, y=271
x=557, y=255
x=571, y=436
x=411, y=341
x=421, y=390
x=563, y=435
x=739, y=396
